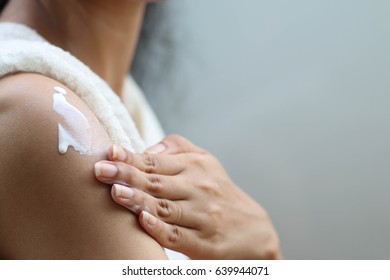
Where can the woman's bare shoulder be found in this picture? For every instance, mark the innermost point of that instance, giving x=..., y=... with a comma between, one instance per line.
x=51, y=206
x=28, y=111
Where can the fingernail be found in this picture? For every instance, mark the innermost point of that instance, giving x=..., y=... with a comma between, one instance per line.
x=105, y=170
x=156, y=149
x=148, y=219
x=124, y=192
x=118, y=153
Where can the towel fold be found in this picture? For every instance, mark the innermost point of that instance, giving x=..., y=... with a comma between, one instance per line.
x=24, y=50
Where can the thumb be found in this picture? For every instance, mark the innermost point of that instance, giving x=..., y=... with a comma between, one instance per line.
x=174, y=144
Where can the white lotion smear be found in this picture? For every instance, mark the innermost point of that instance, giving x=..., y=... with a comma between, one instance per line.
x=74, y=131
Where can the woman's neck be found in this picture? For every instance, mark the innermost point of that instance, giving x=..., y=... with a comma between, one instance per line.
x=101, y=33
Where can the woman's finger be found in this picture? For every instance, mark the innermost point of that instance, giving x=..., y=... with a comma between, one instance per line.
x=148, y=163
x=160, y=186
x=166, y=210
x=170, y=236
x=174, y=144
x=130, y=198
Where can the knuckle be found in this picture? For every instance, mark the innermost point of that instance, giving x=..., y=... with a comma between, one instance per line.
x=197, y=160
x=154, y=183
x=204, y=159
x=174, y=235
x=214, y=211
x=125, y=172
x=182, y=143
x=205, y=163
x=150, y=162
x=168, y=210
x=217, y=240
x=210, y=188
x=163, y=209
x=129, y=158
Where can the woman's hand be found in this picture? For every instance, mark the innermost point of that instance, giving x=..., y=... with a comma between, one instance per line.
x=187, y=202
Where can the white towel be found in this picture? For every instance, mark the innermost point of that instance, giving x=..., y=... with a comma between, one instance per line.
x=23, y=50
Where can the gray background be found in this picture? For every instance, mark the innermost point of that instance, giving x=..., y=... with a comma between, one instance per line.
x=292, y=97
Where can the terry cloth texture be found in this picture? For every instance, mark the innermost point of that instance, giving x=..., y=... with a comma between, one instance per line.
x=24, y=50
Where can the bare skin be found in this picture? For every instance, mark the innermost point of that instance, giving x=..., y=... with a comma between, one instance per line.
x=195, y=208
x=66, y=218
x=51, y=206
x=103, y=34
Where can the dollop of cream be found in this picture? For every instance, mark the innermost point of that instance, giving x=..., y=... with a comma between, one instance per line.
x=74, y=130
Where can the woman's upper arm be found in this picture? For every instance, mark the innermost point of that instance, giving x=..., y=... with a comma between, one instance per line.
x=51, y=206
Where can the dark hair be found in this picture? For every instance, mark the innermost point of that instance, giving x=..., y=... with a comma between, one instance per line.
x=2, y=4
x=155, y=50
x=152, y=58
x=155, y=56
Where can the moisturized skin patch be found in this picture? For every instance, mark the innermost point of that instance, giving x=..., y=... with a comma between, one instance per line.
x=74, y=130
